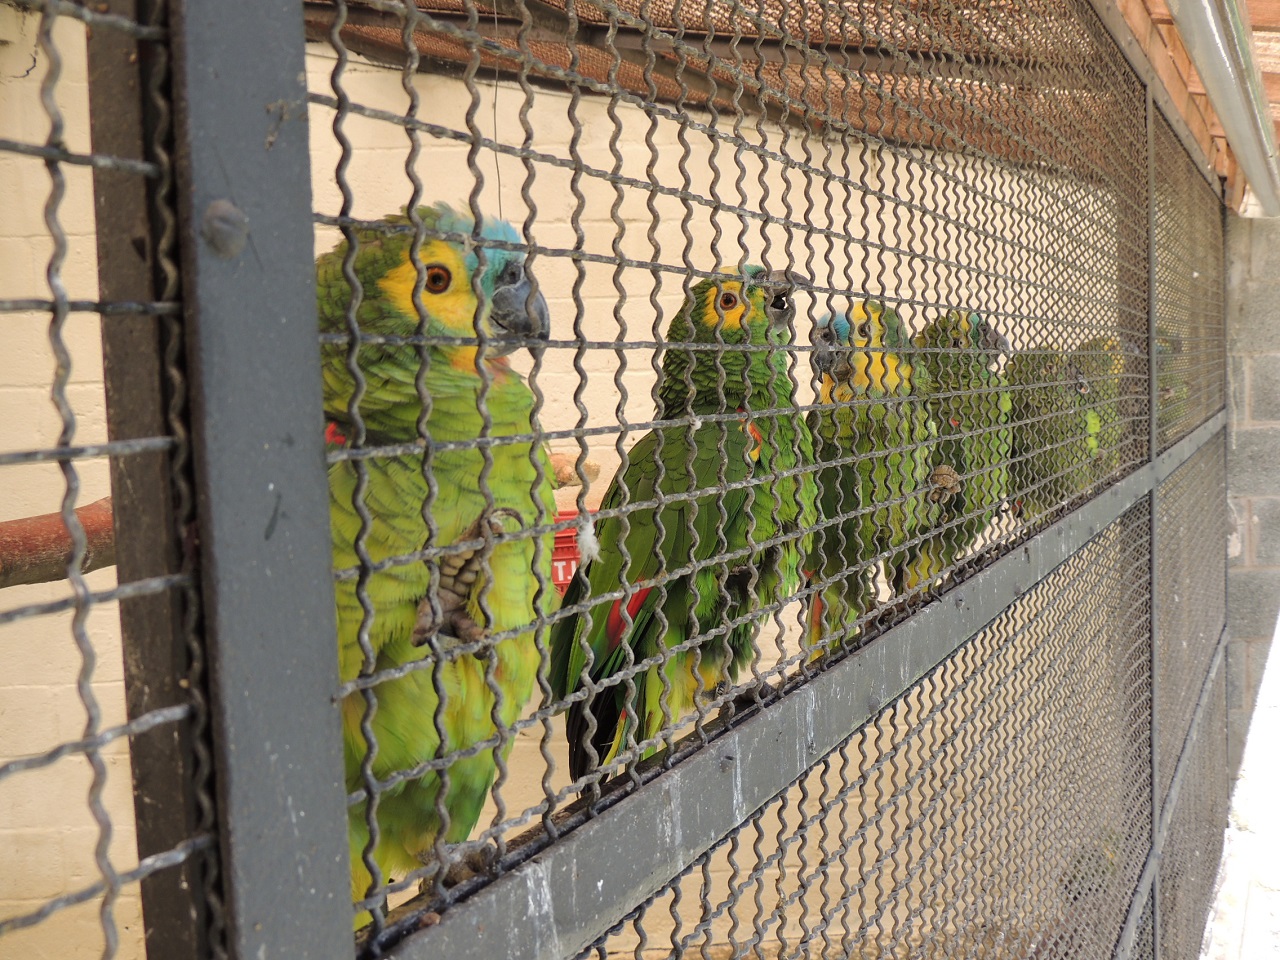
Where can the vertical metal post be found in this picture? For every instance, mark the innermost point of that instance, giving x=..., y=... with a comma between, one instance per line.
x=248, y=278
x=1153, y=450
x=122, y=123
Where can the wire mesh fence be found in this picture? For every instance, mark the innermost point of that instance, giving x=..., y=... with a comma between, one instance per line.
x=1189, y=597
x=1190, y=351
x=988, y=812
x=96, y=732
x=1195, y=844
x=677, y=362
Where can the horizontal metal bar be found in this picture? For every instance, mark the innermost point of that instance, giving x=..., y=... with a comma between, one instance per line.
x=548, y=907
x=93, y=18
x=1129, y=934
x=142, y=724
x=113, y=448
x=106, y=308
x=58, y=155
x=139, y=588
x=145, y=868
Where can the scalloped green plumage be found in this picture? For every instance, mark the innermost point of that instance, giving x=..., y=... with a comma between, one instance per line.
x=688, y=519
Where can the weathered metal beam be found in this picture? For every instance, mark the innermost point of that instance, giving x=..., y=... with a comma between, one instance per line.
x=547, y=907
x=124, y=121
x=266, y=562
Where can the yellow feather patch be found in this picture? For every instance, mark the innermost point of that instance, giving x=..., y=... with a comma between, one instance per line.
x=454, y=307
x=877, y=370
x=733, y=314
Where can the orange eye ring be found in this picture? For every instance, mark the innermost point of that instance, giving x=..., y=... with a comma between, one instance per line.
x=438, y=278
x=728, y=300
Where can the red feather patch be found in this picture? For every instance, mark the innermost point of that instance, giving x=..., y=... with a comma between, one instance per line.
x=614, y=626
x=333, y=436
x=754, y=433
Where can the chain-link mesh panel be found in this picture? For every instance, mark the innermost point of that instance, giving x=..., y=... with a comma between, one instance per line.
x=1190, y=863
x=104, y=773
x=1189, y=294
x=999, y=808
x=1190, y=600
x=1144, y=945
x=789, y=316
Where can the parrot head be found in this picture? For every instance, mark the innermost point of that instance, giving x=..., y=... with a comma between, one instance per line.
x=755, y=309
x=859, y=352
x=508, y=313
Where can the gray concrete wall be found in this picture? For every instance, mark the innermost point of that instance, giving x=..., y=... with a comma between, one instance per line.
x=1253, y=462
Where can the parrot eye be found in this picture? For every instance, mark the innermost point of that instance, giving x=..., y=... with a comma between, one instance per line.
x=781, y=302
x=438, y=278
x=728, y=300
x=1082, y=385
x=863, y=329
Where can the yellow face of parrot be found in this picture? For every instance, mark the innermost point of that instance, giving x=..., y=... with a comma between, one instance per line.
x=450, y=302
x=858, y=354
x=726, y=309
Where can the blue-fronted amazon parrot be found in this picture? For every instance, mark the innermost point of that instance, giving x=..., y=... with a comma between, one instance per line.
x=878, y=420
x=485, y=575
x=691, y=557
x=970, y=403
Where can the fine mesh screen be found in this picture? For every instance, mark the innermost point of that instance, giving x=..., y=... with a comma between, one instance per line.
x=1190, y=308
x=1190, y=864
x=783, y=321
x=1144, y=946
x=675, y=358
x=1000, y=808
x=1191, y=606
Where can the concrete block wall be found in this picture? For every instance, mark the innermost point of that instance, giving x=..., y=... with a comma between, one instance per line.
x=1253, y=462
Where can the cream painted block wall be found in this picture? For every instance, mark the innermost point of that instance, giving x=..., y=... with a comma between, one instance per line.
x=930, y=228
x=47, y=835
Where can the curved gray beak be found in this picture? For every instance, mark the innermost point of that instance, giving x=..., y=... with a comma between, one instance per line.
x=779, y=306
x=822, y=359
x=521, y=314
x=996, y=342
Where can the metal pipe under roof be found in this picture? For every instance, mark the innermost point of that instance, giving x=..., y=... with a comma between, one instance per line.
x=1219, y=41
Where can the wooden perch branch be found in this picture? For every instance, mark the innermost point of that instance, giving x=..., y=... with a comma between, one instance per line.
x=38, y=549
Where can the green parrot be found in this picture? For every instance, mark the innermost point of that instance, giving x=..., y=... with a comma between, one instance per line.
x=484, y=581
x=720, y=488
x=876, y=503
x=1067, y=430
x=970, y=404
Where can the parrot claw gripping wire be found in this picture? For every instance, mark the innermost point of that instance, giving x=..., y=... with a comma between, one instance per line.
x=475, y=862
x=458, y=575
x=944, y=482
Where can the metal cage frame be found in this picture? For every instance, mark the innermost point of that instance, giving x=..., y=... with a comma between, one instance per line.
x=221, y=326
